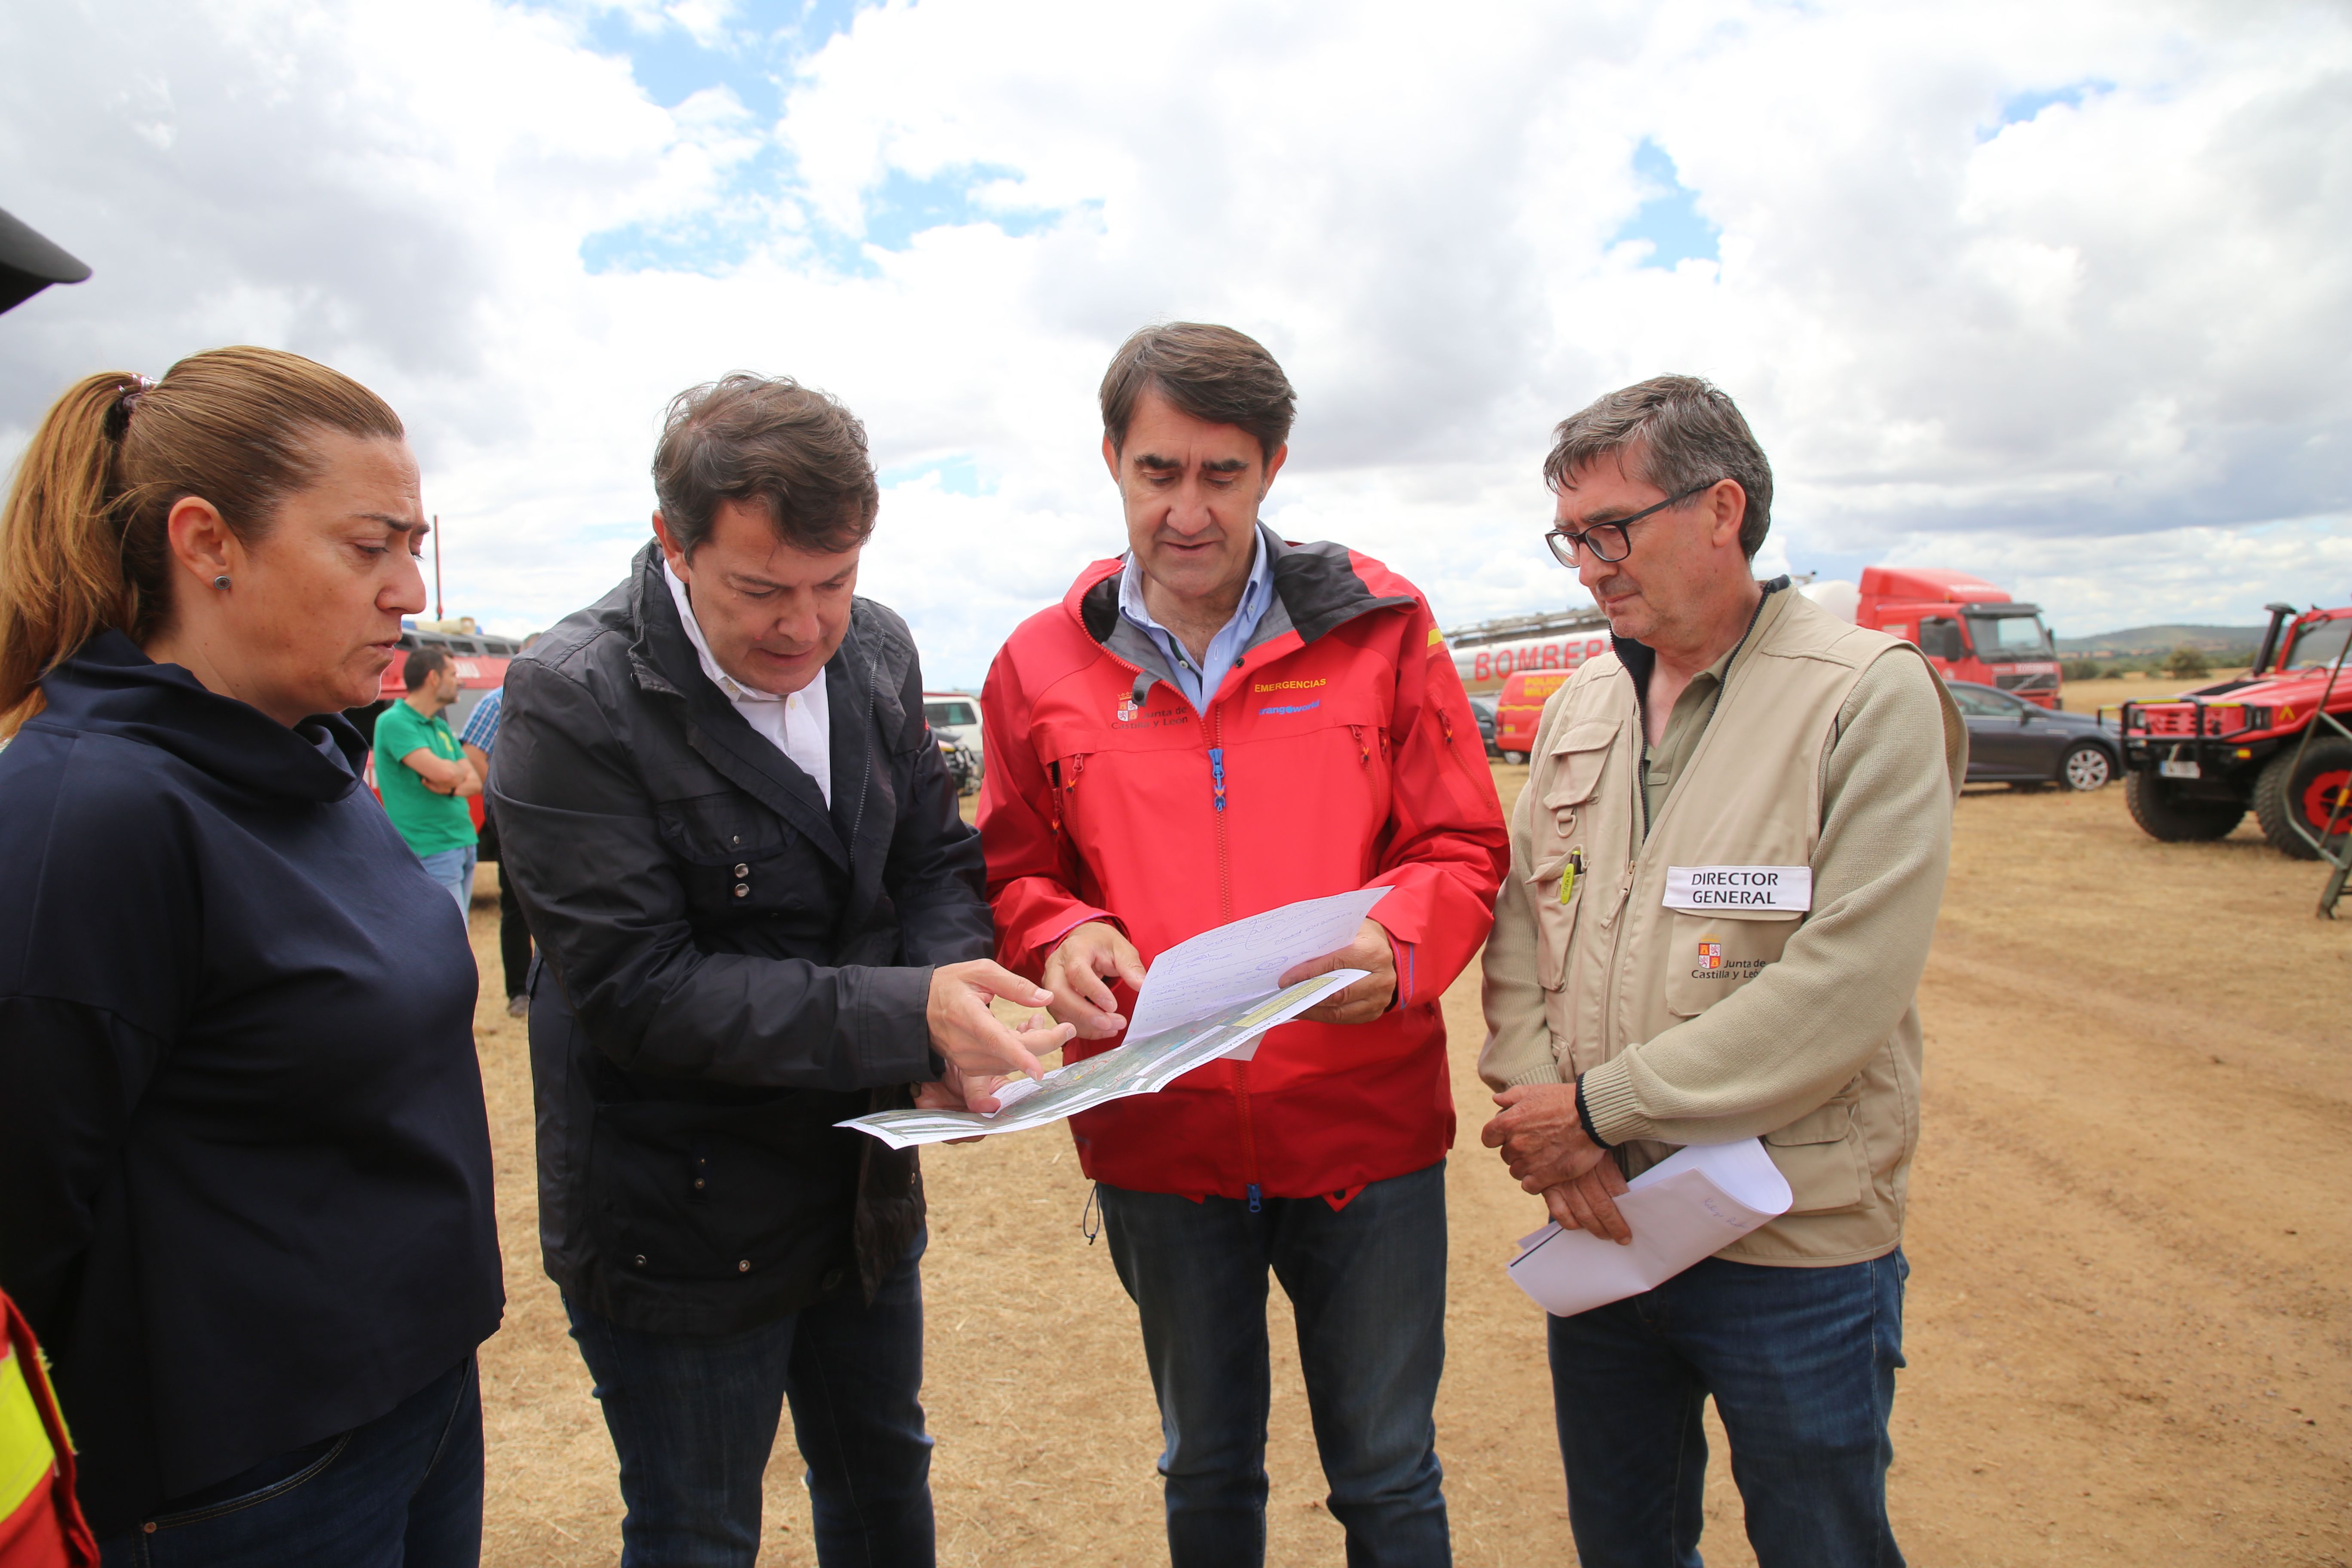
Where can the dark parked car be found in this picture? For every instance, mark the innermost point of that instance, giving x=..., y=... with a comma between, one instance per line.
x=1483, y=708
x=2013, y=741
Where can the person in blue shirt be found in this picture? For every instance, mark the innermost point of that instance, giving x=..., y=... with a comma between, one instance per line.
x=480, y=738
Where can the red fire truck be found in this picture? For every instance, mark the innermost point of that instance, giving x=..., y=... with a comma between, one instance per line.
x=2274, y=743
x=1968, y=629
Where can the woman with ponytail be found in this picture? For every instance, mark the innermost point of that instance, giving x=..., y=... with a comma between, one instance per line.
x=245, y=1172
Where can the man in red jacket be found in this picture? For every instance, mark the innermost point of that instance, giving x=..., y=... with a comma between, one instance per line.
x=1216, y=725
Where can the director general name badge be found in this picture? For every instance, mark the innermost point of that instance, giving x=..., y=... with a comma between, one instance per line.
x=1766, y=890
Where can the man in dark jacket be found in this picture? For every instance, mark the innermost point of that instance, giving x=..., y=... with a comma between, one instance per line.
x=738, y=845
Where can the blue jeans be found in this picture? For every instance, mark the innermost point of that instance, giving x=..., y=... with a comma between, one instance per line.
x=694, y=1415
x=1367, y=1284
x=1802, y=1365
x=454, y=870
x=403, y=1492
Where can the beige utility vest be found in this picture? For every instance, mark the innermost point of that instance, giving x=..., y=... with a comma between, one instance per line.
x=1617, y=966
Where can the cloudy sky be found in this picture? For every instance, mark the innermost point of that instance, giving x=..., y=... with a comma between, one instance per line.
x=2061, y=294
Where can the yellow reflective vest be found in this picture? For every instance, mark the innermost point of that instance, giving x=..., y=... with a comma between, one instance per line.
x=40, y=1526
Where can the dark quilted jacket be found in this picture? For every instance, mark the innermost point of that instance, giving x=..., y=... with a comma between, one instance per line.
x=736, y=966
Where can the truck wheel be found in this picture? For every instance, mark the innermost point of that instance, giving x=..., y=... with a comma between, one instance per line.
x=1514, y=757
x=2163, y=816
x=2086, y=768
x=2285, y=795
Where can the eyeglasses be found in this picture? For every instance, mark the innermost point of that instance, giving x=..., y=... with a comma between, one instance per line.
x=1607, y=541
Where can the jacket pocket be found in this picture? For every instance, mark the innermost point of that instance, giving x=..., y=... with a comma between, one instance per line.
x=1712, y=955
x=307, y=1466
x=1556, y=882
x=1573, y=776
x=683, y=1191
x=1821, y=1155
x=738, y=858
x=1555, y=887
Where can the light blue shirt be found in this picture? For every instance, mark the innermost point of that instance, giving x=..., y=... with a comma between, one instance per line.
x=1200, y=686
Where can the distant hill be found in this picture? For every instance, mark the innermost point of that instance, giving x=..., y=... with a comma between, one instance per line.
x=2164, y=639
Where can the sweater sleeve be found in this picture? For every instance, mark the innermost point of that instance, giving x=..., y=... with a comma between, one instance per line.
x=1786, y=1041
x=100, y=872
x=70, y=1075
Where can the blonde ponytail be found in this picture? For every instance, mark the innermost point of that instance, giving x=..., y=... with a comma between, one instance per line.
x=60, y=548
x=83, y=543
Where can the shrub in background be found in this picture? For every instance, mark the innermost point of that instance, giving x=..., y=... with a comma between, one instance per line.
x=2187, y=664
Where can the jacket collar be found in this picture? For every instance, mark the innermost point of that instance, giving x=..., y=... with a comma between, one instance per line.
x=109, y=688
x=663, y=659
x=1316, y=589
x=1640, y=658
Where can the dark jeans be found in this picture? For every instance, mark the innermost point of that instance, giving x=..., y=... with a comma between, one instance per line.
x=403, y=1492
x=514, y=937
x=1367, y=1284
x=1802, y=1365
x=693, y=1417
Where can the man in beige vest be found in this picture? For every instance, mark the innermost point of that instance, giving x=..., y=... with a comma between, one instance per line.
x=1739, y=736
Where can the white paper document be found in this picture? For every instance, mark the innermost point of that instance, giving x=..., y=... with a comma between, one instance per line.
x=1139, y=1067
x=1689, y=1206
x=1238, y=963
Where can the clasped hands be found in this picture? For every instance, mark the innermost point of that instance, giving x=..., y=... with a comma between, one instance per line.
x=1543, y=1140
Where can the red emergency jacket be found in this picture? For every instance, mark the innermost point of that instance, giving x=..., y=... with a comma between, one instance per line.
x=1339, y=753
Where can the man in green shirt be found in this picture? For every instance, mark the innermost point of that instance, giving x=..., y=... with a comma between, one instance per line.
x=422, y=775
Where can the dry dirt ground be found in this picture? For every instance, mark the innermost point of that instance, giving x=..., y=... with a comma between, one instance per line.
x=2129, y=1322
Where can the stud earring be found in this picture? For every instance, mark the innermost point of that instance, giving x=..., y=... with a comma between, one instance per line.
x=221, y=582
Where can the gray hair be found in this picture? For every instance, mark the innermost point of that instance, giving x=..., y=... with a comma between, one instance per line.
x=1677, y=432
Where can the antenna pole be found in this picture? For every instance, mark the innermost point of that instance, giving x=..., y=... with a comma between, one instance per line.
x=439, y=611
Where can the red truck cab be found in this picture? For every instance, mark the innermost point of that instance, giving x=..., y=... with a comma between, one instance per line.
x=1968, y=629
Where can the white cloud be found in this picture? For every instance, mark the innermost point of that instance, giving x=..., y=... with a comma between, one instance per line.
x=2091, y=354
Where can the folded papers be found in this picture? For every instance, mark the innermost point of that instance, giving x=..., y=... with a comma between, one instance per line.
x=1139, y=1067
x=1689, y=1206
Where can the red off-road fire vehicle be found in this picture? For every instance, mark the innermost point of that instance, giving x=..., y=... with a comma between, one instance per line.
x=2272, y=741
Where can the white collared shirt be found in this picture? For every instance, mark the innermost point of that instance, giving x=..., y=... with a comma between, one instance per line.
x=800, y=725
